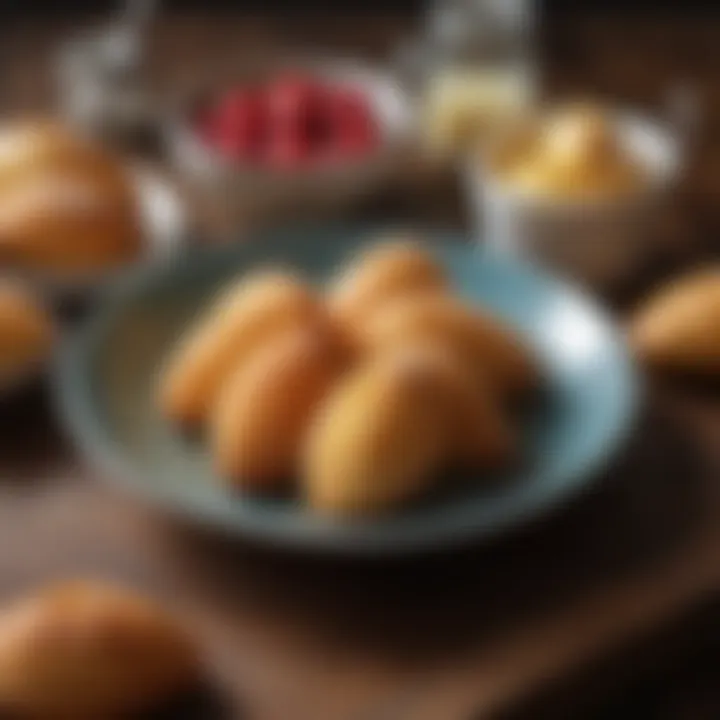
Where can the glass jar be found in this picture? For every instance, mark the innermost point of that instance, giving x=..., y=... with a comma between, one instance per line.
x=101, y=80
x=478, y=70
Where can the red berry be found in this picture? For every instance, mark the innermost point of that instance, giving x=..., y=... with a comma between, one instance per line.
x=298, y=107
x=286, y=154
x=290, y=96
x=354, y=128
x=238, y=124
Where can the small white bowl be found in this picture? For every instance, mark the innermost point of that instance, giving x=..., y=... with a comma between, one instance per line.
x=247, y=194
x=595, y=242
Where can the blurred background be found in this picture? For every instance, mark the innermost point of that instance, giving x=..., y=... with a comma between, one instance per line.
x=609, y=610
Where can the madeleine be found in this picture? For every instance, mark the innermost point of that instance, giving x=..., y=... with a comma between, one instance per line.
x=482, y=436
x=248, y=313
x=678, y=328
x=481, y=339
x=384, y=433
x=388, y=270
x=265, y=406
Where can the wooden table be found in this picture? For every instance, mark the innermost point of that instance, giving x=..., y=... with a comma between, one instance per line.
x=538, y=625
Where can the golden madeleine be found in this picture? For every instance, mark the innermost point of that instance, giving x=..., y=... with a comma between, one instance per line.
x=481, y=433
x=26, y=330
x=678, y=328
x=236, y=323
x=480, y=338
x=380, y=437
x=385, y=271
x=85, y=651
x=67, y=206
x=265, y=406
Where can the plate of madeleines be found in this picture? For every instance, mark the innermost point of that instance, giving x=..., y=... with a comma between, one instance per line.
x=349, y=390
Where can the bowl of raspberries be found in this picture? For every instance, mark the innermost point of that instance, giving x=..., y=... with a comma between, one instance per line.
x=297, y=138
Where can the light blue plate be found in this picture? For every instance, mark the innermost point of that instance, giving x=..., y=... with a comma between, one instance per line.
x=106, y=372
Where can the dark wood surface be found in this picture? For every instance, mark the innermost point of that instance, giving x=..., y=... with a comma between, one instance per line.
x=561, y=609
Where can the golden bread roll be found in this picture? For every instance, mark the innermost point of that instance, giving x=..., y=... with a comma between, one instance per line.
x=392, y=269
x=264, y=407
x=66, y=206
x=86, y=651
x=482, y=340
x=381, y=436
x=30, y=148
x=678, y=328
x=245, y=315
x=66, y=224
x=26, y=330
x=33, y=146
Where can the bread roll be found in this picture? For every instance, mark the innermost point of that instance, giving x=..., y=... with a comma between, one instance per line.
x=66, y=206
x=32, y=146
x=678, y=329
x=85, y=651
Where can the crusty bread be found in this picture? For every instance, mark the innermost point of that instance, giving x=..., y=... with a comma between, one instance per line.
x=86, y=651
x=66, y=205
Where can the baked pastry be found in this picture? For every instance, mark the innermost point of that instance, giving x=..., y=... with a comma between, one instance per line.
x=31, y=146
x=86, y=651
x=67, y=207
x=243, y=316
x=26, y=330
x=482, y=438
x=482, y=340
x=394, y=268
x=264, y=408
x=379, y=439
x=383, y=434
x=678, y=329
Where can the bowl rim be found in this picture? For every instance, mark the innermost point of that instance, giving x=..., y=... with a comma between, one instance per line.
x=396, y=535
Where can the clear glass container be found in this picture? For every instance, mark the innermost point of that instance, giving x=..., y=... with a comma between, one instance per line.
x=477, y=70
